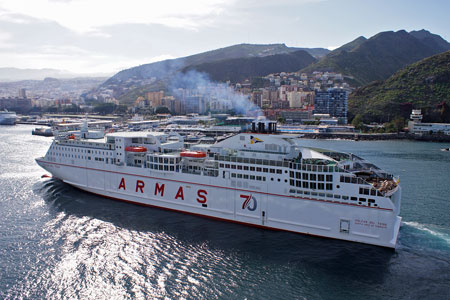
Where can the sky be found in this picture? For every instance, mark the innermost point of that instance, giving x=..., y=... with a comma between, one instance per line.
x=106, y=36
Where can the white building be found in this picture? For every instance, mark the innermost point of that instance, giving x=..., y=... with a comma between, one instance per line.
x=417, y=127
x=429, y=128
x=296, y=99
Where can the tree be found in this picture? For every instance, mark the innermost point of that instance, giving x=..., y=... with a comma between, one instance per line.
x=162, y=110
x=121, y=109
x=104, y=108
x=399, y=124
x=445, y=113
x=52, y=109
x=395, y=125
x=71, y=109
x=358, y=122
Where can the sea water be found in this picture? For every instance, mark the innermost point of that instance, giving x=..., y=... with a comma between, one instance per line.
x=57, y=242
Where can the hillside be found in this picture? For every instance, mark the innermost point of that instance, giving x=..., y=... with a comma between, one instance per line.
x=165, y=68
x=140, y=76
x=349, y=46
x=316, y=52
x=436, y=41
x=380, y=56
x=238, y=69
x=422, y=85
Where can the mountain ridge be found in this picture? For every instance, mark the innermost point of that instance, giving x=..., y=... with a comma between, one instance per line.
x=167, y=68
x=224, y=70
x=423, y=85
x=381, y=55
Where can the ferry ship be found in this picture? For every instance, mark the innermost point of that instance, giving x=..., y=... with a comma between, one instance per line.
x=7, y=117
x=256, y=178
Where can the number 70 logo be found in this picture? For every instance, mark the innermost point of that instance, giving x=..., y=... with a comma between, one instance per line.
x=249, y=202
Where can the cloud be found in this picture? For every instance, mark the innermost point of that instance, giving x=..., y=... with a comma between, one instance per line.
x=86, y=15
x=5, y=40
x=74, y=60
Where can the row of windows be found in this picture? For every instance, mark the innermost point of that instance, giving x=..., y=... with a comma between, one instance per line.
x=363, y=201
x=318, y=194
x=350, y=179
x=311, y=185
x=369, y=202
x=253, y=169
x=161, y=167
x=371, y=192
x=73, y=149
x=165, y=160
x=311, y=176
x=257, y=161
x=246, y=176
x=101, y=159
x=314, y=168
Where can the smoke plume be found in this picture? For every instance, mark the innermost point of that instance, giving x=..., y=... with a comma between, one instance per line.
x=193, y=83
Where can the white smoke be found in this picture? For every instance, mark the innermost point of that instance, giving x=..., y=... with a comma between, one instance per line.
x=193, y=83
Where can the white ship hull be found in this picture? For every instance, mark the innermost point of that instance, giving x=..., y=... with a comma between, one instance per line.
x=7, y=118
x=235, y=201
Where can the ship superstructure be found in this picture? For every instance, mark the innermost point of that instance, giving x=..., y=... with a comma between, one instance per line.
x=256, y=178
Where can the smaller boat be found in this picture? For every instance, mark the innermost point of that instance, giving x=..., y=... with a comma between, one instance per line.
x=7, y=117
x=194, y=154
x=42, y=131
x=445, y=149
x=136, y=149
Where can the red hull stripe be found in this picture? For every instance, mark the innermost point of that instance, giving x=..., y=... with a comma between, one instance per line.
x=216, y=186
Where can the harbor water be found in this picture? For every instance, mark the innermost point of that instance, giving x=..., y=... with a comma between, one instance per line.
x=57, y=242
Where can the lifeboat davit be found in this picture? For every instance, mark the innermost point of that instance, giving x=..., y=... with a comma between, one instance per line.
x=196, y=154
x=136, y=149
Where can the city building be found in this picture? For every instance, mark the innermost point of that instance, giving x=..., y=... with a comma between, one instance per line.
x=257, y=98
x=22, y=93
x=194, y=104
x=15, y=104
x=155, y=98
x=332, y=102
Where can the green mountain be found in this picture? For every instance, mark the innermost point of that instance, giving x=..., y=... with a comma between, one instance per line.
x=436, y=41
x=137, y=80
x=316, y=52
x=235, y=70
x=169, y=67
x=377, y=58
x=349, y=46
x=423, y=85
x=238, y=69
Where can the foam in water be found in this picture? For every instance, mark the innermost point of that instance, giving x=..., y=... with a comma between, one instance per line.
x=443, y=236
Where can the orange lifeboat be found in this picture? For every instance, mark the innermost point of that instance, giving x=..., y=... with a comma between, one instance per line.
x=136, y=149
x=71, y=137
x=196, y=154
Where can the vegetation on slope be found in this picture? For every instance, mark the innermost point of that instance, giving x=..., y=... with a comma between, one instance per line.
x=239, y=69
x=424, y=85
x=380, y=56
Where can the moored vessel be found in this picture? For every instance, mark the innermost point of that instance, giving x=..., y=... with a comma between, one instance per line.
x=8, y=117
x=42, y=131
x=256, y=178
